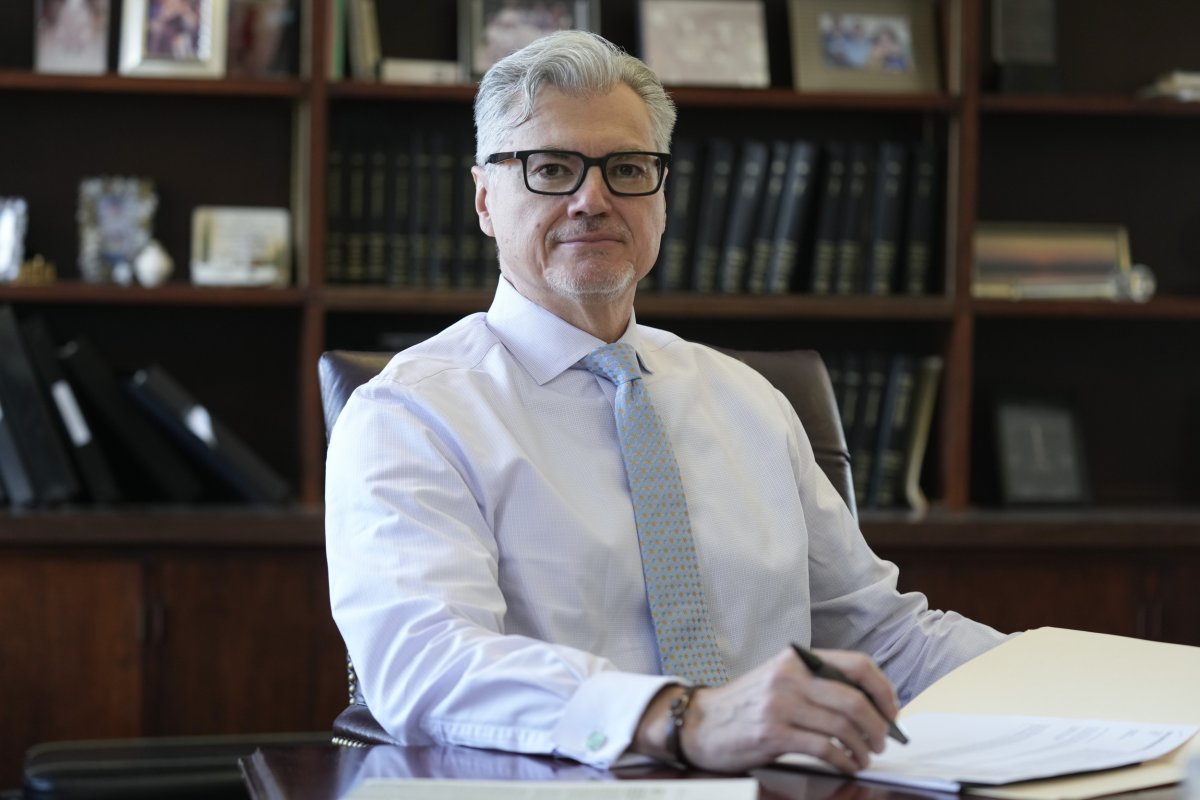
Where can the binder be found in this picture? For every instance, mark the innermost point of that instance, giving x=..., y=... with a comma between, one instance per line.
x=35, y=441
x=94, y=468
x=159, y=467
x=206, y=438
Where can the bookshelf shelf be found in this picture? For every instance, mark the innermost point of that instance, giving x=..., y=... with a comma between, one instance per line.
x=682, y=304
x=23, y=80
x=402, y=92
x=788, y=99
x=76, y=293
x=169, y=527
x=303, y=527
x=1165, y=308
x=1083, y=105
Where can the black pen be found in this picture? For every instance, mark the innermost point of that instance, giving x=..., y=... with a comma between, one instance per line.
x=822, y=670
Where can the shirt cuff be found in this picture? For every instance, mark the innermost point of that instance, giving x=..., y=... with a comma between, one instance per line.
x=599, y=720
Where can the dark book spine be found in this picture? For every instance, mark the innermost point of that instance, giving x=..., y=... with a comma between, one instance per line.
x=892, y=438
x=466, y=222
x=826, y=236
x=335, y=214
x=883, y=242
x=850, y=397
x=682, y=190
x=399, y=198
x=93, y=466
x=376, y=266
x=922, y=209
x=420, y=199
x=714, y=198
x=791, y=227
x=760, y=244
x=31, y=421
x=866, y=425
x=356, y=214
x=744, y=206
x=925, y=390
x=443, y=163
x=852, y=219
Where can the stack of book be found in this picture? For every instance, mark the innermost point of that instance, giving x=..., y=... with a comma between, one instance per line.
x=886, y=402
x=401, y=212
x=777, y=217
x=1052, y=261
x=72, y=431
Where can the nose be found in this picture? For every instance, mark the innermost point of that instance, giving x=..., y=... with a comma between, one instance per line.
x=592, y=197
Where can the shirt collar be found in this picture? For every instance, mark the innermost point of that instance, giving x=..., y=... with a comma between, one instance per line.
x=544, y=344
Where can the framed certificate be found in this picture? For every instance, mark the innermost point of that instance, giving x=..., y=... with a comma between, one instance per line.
x=705, y=42
x=1040, y=450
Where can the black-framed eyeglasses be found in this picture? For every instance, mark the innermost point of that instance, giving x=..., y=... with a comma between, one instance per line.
x=629, y=173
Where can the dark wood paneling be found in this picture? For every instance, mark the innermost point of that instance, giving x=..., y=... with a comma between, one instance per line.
x=70, y=655
x=247, y=644
x=1012, y=592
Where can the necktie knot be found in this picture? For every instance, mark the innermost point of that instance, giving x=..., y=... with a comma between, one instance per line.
x=617, y=362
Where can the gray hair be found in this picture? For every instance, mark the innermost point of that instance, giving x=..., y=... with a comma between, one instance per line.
x=577, y=63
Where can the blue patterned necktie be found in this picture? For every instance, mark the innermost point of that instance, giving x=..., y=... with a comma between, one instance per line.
x=687, y=645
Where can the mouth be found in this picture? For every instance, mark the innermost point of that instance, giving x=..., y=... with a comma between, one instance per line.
x=591, y=237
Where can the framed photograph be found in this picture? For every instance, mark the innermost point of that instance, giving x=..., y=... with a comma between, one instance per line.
x=489, y=30
x=72, y=36
x=174, y=38
x=864, y=45
x=14, y=219
x=116, y=221
x=705, y=42
x=1039, y=445
x=235, y=246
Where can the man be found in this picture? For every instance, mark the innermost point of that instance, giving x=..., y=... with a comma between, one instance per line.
x=483, y=522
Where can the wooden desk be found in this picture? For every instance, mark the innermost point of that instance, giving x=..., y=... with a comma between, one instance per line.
x=329, y=772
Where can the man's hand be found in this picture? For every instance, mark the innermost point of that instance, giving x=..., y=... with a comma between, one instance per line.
x=778, y=708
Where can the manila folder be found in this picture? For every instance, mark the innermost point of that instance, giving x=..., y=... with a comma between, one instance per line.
x=1066, y=673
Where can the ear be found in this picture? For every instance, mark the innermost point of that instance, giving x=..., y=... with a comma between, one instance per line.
x=481, y=201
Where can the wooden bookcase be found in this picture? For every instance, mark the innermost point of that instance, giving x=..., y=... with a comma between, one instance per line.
x=1091, y=153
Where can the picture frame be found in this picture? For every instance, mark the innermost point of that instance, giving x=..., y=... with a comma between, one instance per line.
x=489, y=30
x=174, y=38
x=241, y=246
x=14, y=219
x=705, y=42
x=116, y=221
x=1040, y=453
x=864, y=46
x=71, y=37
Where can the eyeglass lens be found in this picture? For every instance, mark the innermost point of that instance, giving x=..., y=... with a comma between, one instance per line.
x=631, y=173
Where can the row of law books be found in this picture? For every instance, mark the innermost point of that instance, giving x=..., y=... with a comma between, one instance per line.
x=400, y=211
x=73, y=431
x=887, y=402
x=778, y=217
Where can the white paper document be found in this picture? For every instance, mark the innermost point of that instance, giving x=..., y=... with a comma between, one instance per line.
x=949, y=751
x=441, y=789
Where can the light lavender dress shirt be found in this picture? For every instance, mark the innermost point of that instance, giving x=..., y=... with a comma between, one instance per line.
x=483, y=560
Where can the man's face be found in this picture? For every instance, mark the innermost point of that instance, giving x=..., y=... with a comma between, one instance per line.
x=589, y=247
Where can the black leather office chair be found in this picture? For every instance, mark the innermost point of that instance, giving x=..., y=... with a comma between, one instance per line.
x=799, y=374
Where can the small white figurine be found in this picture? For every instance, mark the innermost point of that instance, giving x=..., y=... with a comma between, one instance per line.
x=153, y=266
